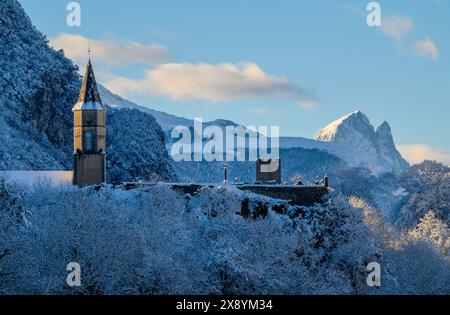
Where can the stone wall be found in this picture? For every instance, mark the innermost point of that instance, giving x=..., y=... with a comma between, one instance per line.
x=295, y=195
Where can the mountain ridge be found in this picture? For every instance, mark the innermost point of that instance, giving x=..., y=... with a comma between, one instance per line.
x=387, y=158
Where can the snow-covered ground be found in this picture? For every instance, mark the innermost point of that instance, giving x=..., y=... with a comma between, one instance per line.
x=29, y=178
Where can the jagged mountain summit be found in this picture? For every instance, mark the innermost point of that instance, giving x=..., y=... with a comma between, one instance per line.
x=349, y=129
x=377, y=146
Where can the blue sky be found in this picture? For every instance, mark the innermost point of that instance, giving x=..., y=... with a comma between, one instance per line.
x=296, y=64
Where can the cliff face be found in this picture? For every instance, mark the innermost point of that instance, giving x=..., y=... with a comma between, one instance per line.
x=38, y=86
x=387, y=150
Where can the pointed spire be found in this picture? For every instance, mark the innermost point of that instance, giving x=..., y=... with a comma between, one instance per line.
x=89, y=92
x=89, y=98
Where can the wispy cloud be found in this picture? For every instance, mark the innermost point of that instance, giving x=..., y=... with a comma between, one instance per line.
x=396, y=26
x=262, y=111
x=215, y=83
x=426, y=48
x=353, y=9
x=417, y=153
x=109, y=51
x=307, y=104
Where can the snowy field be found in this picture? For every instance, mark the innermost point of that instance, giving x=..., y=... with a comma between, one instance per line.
x=29, y=178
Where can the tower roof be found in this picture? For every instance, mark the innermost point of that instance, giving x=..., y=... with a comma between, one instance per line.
x=89, y=98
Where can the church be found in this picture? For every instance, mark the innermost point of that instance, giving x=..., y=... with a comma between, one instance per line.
x=89, y=134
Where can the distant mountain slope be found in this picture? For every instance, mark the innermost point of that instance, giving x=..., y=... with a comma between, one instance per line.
x=345, y=152
x=166, y=121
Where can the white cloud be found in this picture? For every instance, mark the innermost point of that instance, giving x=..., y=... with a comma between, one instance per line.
x=216, y=83
x=417, y=153
x=426, y=48
x=307, y=104
x=76, y=46
x=396, y=26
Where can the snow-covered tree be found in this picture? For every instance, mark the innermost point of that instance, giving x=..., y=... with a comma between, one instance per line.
x=433, y=230
x=136, y=148
x=428, y=187
x=154, y=240
x=12, y=222
x=414, y=267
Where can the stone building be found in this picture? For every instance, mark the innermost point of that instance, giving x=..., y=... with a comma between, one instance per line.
x=89, y=134
x=268, y=172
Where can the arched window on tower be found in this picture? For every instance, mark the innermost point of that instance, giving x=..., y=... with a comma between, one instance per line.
x=89, y=141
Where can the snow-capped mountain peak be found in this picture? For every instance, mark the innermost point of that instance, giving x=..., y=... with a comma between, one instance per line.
x=356, y=131
x=349, y=128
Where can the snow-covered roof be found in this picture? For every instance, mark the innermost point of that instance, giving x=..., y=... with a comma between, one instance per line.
x=89, y=98
x=28, y=178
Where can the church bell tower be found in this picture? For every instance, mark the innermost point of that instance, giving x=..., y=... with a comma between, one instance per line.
x=89, y=134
